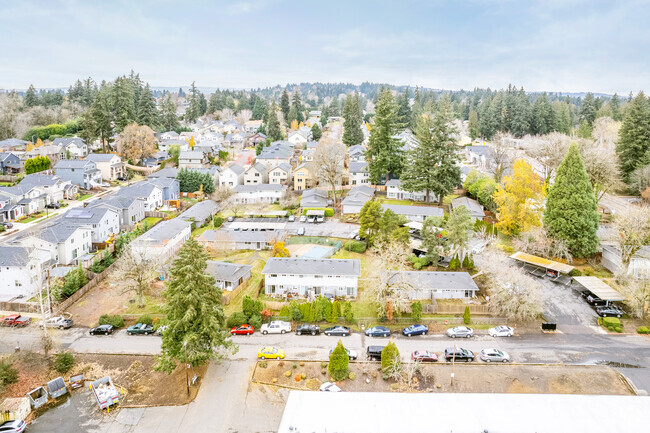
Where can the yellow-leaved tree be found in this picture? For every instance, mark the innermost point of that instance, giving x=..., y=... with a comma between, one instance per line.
x=294, y=124
x=192, y=142
x=39, y=142
x=520, y=202
x=279, y=250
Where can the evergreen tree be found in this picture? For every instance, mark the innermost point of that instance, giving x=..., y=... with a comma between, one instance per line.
x=316, y=132
x=259, y=108
x=404, y=110
x=297, y=105
x=633, y=145
x=370, y=221
x=339, y=362
x=542, y=116
x=181, y=94
x=123, y=103
x=589, y=109
x=473, y=124
x=353, y=118
x=101, y=117
x=147, y=111
x=169, y=118
x=31, y=98
x=615, y=105
x=285, y=106
x=195, y=315
x=431, y=165
x=487, y=118
x=216, y=103
x=273, y=124
x=562, y=117
x=193, y=111
x=571, y=208
x=384, y=151
x=520, y=123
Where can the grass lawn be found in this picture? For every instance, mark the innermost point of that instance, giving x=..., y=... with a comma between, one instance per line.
x=84, y=197
x=152, y=305
x=391, y=201
x=448, y=198
x=150, y=221
x=201, y=230
x=34, y=217
x=6, y=183
x=251, y=286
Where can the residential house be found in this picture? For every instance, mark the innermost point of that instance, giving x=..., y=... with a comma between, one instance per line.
x=436, y=285
x=256, y=138
x=263, y=193
x=311, y=277
x=252, y=126
x=8, y=210
x=639, y=266
x=280, y=174
x=415, y=213
x=233, y=175
x=191, y=159
x=65, y=243
x=212, y=137
x=407, y=138
x=171, y=172
x=200, y=213
x=83, y=173
x=256, y=174
x=298, y=138
x=356, y=198
x=239, y=240
x=109, y=164
x=54, y=153
x=228, y=276
x=150, y=193
x=311, y=145
x=302, y=179
x=479, y=156
x=10, y=163
x=232, y=126
x=308, y=155
x=169, y=135
x=274, y=155
x=11, y=144
x=357, y=153
x=359, y=173
x=394, y=191
x=34, y=192
x=130, y=209
x=236, y=140
x=163, y=240
x=103, y=221
x=314, y=197
x=155, y=159
x=474, y=207
x=171, y=188
x=165, y=145
x=22, y=272
x=74, y=148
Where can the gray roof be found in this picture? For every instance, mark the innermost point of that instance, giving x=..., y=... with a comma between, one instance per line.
x=88, y=215
x=277, y=151
x=140, y=189
x=437, y=280
x=359, y=195
x=358, y=167
x=172, y=133
x=259, y=188
x=14, y=256
x=30, y=182
x=259, y=167
x=479, y=150
x=475, y=209
x=357, y=148
x=189, y=154
x=237, y=236
x=13, y=142
x=100, y=157
x=5, y=155
x=119, y=202
x=67, y=141
x=236, y=168
x=200, y=210
x=343, y=267
x=163, y=182
x=74, y=163
x=57, y=233
x=165, y=172
x=164, y=230
x=222, y=271
x=394, y=182
x=428, y=211
x=314, y=192
x=284, y=166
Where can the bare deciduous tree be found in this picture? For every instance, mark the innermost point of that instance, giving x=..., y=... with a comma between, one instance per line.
x=227, y=114
x=136, y=142
x=135, y=271
x=537, y=241
x=501, y=156
x=245, y=115
x=328, y=162
x=637, y=292
x=548, y=151
x=387, y=286
x=605, y=132
x=630, y=232
x=602, y=165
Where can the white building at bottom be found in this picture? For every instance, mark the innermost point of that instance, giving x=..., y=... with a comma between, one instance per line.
x=311, y=277
x=21, y=271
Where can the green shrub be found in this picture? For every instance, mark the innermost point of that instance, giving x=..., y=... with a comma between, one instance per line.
x=352, y=375
x=618, y=329
x=8, y=374
x=390, y=360
x=63, y=362
x=466, y=315
x=284, y=311
x=323, y=364
x=454, y=264
x=419, y=262
x=339, y=362
x=356, y=246
x=348, y=312
x=294, y=311
x=218, y=221
x=575, y=273
x=416, y=311
x=146, y=319
x=642, y=330
x=236, y=319
x=329, y=212
x=255, y=321
x=611, y=322
x=116, y=320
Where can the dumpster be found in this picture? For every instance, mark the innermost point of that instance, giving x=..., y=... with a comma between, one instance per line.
x=77, y=381
x=56, y=387
x=105, y=392
x=37, y=397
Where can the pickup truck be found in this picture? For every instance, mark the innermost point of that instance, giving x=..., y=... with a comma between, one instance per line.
x=306, y=328
x=276, y=327
x=374, y=352
x=15, y=320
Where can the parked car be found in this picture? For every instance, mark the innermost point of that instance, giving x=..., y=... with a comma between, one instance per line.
x=460, y=331
x=301, y=231
x=122, y=178
x=424, y=356
x=303, y=218
x=320, y=219
x=329, y=387
x=378, y=331
x=374, y=352
x=161, y=329
x=459, y=354
x=7, y=224
x=242, y=330
x=609, y=311
x=102, y=330
x=306, y=328
x=17, y=426
x=352, y=354
x=494, y=355
x=292, y=218
x=340, y=331
x=54, y=205
x=501, y=331
x=140, y=329
x=58, y=322
x=231, y=219
x=592, y=299
x=270, y=353
x=15, y=320
x=276, y=327
x=415, y=330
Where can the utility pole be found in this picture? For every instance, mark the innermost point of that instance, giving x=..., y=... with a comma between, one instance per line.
x=187, y=369
x=453, y=362
x=46, y=336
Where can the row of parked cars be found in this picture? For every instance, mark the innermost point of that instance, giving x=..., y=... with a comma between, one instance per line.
x=280, y=327
x=603, y=308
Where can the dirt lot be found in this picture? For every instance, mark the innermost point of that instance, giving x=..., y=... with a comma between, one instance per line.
x=134, y=373
x=509, y=378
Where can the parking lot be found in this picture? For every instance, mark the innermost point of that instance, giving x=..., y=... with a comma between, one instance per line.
x=328, y=228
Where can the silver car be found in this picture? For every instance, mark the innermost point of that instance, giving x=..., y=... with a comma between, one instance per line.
x=494, y=355
x=501, y=331
x=460, y=331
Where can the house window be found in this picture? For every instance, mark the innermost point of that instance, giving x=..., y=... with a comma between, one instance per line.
x=272, y=275
x=18, y=283
x=350, y=291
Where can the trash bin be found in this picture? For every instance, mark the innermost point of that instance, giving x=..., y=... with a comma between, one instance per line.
x=547, y=326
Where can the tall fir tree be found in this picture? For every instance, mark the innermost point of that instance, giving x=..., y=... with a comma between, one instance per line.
x=316, y=132
x=193, y=111
x=615, y=105
x=542, y=116
x=353, y=120
x=404, y=109
x=147, y=111
x=285, y=105
x=589, y=109
x=571, y=212
x=101, y=117
x=384, y=151
x=31, y=98
x=473, y=124
x=296, y=104
x=431, y=165
x=259, y=108
x=520, y=123
x=195, y=314
x=633, y=145
x=273, y=130
x=123, y=103
x=169, y=119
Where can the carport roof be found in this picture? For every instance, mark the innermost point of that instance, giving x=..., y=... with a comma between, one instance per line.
x=539, y=261
x=316, y=212
x=599, y=288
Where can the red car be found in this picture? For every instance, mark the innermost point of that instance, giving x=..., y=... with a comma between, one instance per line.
x=424, y=356
x=242, y=330
x=15, y=320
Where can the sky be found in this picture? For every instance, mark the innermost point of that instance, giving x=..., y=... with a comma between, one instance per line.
x=550, y=45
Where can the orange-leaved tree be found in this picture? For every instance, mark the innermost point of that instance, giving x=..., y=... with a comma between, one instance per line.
x=279, y=250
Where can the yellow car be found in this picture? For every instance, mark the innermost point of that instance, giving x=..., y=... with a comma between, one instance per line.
x=270, y=353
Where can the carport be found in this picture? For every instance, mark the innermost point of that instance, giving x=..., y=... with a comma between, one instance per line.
x=313, y=214
x=541, y=267
x=599, y=288
x=268, y=214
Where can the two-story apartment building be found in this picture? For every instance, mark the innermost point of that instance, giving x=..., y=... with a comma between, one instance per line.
x=150, y=193
x=232, y=176
x=302, y=178
x=359, y=173
x=311, y=277
x=103, y=221
x=163, y=240
x=263, y=193
x=256, y=174
x=394, y=191
x=109, y=164
x=83, y=173
x=281, y=174
x=64, y=243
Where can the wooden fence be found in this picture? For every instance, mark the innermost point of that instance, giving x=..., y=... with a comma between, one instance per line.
x=65, y=304
x=20, y=307
x=7, y=178
x=455, y=309
x=227, y=297
x=155, y=214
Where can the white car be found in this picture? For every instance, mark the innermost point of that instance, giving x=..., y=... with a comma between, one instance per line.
x=494, y=355
x=329, y=387
x=276, y=327
x=303, y=219
x=501, y=331
x=58, y=322
x=292, y=218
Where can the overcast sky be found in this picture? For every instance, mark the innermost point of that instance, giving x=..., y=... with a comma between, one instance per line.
x=552, y=45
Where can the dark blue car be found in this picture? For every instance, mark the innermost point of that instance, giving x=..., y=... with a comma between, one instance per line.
x=378, y=331
x=415, y=330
